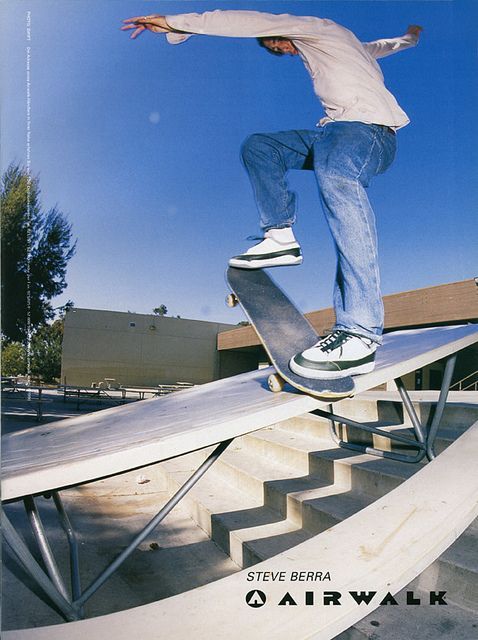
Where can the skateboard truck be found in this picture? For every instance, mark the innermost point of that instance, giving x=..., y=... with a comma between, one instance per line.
x=232, y=300
x=275, y=382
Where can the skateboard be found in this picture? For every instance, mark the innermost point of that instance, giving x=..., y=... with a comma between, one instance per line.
x=282, y=330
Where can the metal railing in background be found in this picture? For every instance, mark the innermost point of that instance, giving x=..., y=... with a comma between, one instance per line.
x=468, y=383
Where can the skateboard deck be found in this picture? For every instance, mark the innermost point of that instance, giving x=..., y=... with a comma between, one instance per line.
x=282, y=329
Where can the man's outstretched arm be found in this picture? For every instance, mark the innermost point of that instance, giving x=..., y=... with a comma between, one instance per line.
x=231, y=23
x=388, y=46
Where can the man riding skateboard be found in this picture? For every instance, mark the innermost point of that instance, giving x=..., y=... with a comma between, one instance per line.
x=355, y=141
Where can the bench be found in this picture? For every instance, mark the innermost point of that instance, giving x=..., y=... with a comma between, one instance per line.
x=92, y=393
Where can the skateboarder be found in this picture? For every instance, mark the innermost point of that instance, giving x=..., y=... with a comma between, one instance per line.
x=355, y=141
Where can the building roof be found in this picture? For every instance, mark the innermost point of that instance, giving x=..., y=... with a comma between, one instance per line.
x=454, y=303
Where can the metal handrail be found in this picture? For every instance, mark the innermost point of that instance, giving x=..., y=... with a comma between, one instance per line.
x=458, y=386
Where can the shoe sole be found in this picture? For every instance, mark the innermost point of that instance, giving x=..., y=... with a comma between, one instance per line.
x=283, y=261
x=317, y=374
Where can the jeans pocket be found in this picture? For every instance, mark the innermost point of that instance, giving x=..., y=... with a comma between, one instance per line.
x=389, y=150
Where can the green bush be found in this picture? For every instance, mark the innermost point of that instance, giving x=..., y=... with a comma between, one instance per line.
x=14, y=359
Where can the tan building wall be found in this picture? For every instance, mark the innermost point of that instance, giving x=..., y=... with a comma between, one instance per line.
x=137, y=349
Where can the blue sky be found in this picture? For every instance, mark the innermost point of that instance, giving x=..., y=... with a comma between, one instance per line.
x=138, y=143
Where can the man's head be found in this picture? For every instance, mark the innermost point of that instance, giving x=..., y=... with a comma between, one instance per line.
x=278, y=46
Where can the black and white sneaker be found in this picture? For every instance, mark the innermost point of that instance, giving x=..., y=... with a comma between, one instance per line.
x=278, y=248
x=337, y=355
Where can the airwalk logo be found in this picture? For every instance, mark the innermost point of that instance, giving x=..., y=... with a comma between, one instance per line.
x=257, y=598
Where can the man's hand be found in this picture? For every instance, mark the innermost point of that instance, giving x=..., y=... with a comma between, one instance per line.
x=414, y=30
x=154, y=23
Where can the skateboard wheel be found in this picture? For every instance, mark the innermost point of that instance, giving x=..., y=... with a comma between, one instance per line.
x=231, y=300
x=275, y=382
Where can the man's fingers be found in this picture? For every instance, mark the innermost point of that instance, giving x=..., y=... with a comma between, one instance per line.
x=133, y=19
x=142, y=19
x=132, y=23
x=137, y=31
x=140, y=23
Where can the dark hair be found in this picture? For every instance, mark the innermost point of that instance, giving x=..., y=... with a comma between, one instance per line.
x=261, y=44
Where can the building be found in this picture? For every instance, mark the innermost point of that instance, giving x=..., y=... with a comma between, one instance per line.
x=141, y=350
x=147, y=350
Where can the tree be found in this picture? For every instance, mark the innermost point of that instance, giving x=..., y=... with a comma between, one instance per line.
x=36, y=248
x=14, y=359
x=162, y=310
x=46, y=351
x=45, y=354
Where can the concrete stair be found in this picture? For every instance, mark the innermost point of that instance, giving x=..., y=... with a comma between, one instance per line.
x=402, y=622
x=275, y=488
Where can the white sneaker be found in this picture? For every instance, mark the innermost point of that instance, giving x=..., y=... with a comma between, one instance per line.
x=338, y=355
x=279, y=248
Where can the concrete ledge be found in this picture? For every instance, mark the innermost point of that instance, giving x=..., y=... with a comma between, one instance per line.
x=381, y=548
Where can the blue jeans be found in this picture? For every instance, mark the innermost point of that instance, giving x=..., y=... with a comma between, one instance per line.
x=344, y=156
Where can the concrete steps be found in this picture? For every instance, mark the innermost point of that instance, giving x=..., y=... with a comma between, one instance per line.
x=390, y=417
x=280, y=508
x=459, y=413
x=457, y=569
x=275, y=488
x=390, y=622
x=233, y=512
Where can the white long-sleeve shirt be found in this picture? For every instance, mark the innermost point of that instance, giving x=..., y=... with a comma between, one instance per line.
x=345, y=74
